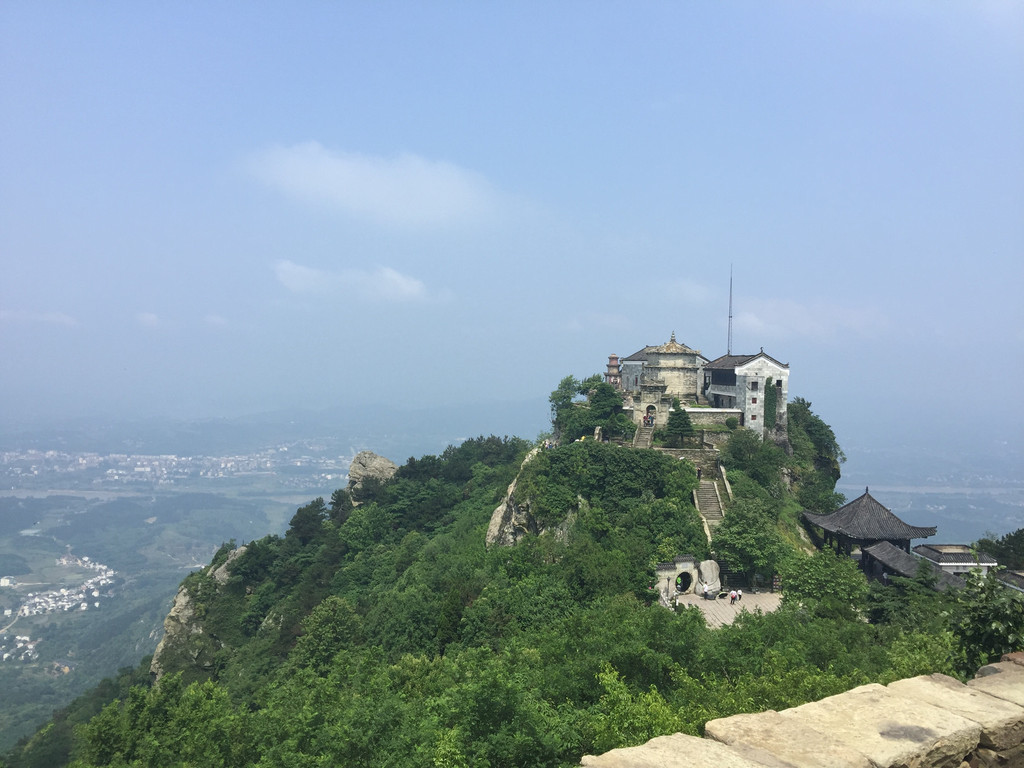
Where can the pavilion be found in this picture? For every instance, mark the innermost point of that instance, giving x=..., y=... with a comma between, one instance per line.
x=864, y=522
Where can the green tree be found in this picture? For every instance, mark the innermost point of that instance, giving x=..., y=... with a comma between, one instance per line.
x=989, y=620
x=679, y=426
x=341, y=506
x=1008, y=549
x=308, y=521
x=833, y=584
x=579, y=407
x=748, y=538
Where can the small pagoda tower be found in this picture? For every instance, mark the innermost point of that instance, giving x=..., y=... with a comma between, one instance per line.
x=613, y=375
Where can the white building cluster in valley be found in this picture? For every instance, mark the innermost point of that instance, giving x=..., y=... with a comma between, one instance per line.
x=80, y=598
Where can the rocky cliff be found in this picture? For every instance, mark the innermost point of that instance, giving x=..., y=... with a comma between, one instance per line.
x=186, y=642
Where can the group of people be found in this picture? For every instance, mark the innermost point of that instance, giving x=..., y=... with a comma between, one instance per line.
x=734, y=595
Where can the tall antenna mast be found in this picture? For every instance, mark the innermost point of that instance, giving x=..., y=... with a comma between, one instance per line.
x=728, y=348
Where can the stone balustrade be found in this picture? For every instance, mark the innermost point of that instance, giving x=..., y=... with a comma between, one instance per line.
x=932, y=721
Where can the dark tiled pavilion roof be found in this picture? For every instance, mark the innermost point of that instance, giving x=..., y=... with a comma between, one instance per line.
x=906, y=564
x=954, y=554
x=865, y=519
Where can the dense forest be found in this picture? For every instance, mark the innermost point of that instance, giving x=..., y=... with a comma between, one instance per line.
x=381, y=631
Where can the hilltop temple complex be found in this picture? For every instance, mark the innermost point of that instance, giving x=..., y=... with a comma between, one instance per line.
x=752, y=388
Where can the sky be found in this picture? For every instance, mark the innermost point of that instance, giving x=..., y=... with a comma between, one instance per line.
x=222, y=208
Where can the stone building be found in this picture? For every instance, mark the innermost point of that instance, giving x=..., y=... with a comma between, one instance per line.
x=733, y=385
x=957, y=559
x=652, y=377
x=747, y=383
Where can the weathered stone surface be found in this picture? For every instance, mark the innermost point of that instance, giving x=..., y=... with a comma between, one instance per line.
x=1001, y=721
x=988, y=758
x=178, y=626
x=1004, y=680
x=1016, y=658
x=780, y=742
x=222, y=573
x=512, y=519
x=675, y=751
x=891, y=730
x=368, y=464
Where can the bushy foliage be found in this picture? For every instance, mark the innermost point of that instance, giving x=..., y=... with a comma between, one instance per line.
x=989, y=620
x=830, y=584
x=579, y=407
x=1008, y=549
x=386, y=634
x=748, y=540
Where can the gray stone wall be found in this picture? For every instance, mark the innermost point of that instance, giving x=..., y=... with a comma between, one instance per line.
x=931, y=721
x=704, y=416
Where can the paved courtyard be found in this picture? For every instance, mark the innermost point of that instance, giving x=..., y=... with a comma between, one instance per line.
x=719, y=612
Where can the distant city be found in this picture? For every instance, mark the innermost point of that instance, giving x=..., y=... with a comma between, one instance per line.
x=297, y=466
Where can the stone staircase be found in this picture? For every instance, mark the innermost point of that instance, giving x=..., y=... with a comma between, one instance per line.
x=644, y=437
x=709, y=504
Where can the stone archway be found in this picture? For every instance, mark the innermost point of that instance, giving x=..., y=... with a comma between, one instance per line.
x=650, y=416
x=684, y=582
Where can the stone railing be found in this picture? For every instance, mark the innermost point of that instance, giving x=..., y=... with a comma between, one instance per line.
x=932, y=721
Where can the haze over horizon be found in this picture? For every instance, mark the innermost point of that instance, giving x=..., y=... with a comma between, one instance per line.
x=235, y=209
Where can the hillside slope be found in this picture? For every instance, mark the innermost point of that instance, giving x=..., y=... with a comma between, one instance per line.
x=388, y=634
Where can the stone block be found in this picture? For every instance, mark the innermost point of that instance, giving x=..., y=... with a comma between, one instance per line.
x=1004, y=680
x=1001, y=721
x=988, y=758
x=781, y=742
x=890, y=730
x=1016, y=658
x=675, y=751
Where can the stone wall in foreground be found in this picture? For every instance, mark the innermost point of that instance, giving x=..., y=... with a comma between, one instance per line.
x=932, y=721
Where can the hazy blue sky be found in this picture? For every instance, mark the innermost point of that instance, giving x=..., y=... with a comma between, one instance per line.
x=217, y=208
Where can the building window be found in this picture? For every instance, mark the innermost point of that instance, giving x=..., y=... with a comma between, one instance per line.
x=753, y=417
x=753, y=400
x=753, y=386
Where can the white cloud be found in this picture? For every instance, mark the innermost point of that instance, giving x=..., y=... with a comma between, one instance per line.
x=406, y=189
x=380, y=284
x=776, y=318
x=45, y=318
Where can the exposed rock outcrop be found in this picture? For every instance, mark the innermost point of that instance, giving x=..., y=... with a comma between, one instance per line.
x=185, y=641
x=512, y=519
x=222, y=574
x=180, y=627
x=367, y=464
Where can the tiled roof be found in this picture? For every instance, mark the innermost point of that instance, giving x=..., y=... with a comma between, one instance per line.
x=729, y=362
x=1013, y=579
x=954, y=554
x=673, y=347
x=866, y=519
x=906, y=564
x=638, y=357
